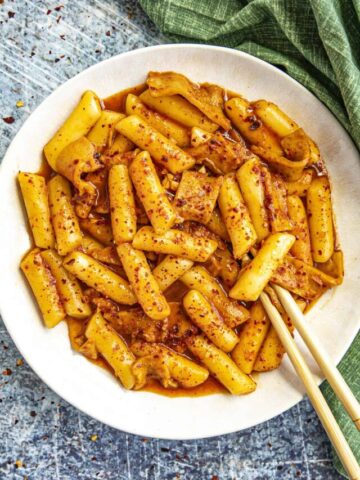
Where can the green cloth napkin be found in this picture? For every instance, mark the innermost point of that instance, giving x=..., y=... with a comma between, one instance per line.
x=317, y=42
x=350, y=370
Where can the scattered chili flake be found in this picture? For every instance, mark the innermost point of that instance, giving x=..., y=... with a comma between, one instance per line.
x=18, y=464
x=11, y=14
x=32, y=413
x=108, y=33
x=9, y=119
x=59, y=8
x=7, y=371
x=214, y=477
x=62, y=37
x=48, y=12
x=93, y=438
x=58, y=19
x=19, y=362
x=19, y=103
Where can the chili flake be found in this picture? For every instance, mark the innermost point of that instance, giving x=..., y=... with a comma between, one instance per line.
x=9, y=119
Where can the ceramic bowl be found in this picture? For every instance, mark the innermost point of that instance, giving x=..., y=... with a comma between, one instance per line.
x=335, y=318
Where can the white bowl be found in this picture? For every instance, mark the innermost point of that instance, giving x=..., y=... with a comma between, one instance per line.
x=335, y=319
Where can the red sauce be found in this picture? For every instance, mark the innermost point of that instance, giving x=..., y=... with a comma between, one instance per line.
x=45, y=170
x=116, y=102
x=209, y=387
x=175, y=292
x=231, y=94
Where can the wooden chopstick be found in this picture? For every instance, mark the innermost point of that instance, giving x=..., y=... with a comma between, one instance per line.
x=322, y=358
x=317, y=399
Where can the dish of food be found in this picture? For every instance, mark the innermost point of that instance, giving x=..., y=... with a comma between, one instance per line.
x=162, y=212
x=132, y=252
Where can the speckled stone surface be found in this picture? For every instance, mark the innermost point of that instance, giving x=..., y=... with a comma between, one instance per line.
x=43, y=43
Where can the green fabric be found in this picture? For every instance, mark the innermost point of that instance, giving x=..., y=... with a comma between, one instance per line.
x=349, y=368
x=317, y=42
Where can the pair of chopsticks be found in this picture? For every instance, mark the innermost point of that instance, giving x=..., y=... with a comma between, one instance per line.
x=330, y=371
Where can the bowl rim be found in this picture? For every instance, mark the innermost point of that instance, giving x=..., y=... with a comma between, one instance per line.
x=158, y=48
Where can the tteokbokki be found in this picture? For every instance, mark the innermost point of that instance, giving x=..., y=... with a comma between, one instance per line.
x=169, y=208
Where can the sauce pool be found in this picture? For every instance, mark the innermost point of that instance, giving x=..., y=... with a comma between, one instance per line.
x=209, y=387
x=116, y=102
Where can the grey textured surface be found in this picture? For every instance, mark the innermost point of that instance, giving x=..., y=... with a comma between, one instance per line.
x=43, y=43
